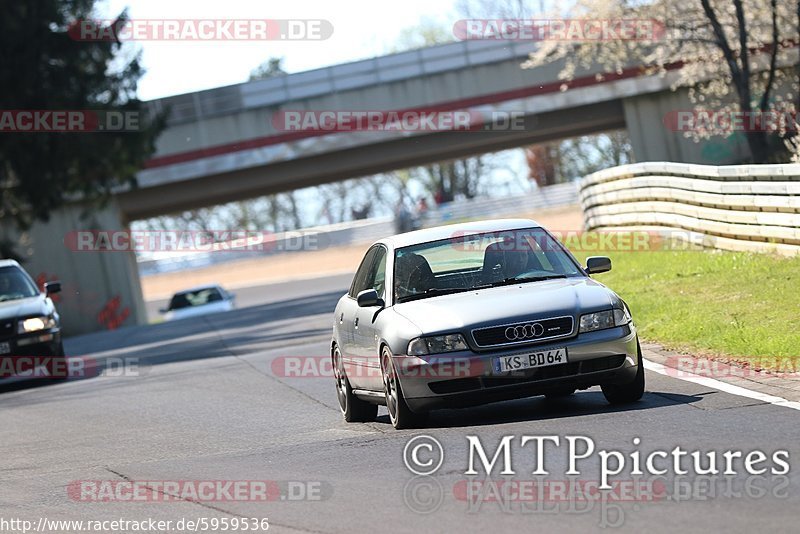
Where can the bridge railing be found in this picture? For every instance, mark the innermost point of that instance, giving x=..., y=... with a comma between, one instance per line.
x=738, y=207
x=346, y=76
x=544, y=197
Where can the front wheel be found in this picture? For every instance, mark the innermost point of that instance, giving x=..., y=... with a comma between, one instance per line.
x=631, y=392
x=400, y=414
x=353, y=409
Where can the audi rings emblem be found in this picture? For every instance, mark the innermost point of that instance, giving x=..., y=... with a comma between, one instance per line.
x=524, y=331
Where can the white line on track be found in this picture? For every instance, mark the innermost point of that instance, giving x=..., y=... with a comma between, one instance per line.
x=722, y=386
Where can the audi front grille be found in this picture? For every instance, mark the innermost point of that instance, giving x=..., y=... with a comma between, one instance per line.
x=524, y=332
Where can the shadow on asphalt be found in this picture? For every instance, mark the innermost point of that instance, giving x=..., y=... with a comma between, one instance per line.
x=189, y=339
x=539, y=408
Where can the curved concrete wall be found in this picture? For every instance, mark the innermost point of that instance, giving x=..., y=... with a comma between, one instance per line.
x=737, y=207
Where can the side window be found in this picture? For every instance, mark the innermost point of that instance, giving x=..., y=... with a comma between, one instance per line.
x=361, y=279
x=377, y=279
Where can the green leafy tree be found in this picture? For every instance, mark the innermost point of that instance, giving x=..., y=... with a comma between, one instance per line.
x=46, y=67
x=269, y=69
x=428, y=32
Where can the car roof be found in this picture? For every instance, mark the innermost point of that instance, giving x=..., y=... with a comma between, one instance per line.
x=9, y=263
x=198, y=288
x=452, y=230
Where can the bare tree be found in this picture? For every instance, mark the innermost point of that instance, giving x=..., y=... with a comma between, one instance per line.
x=587, y=154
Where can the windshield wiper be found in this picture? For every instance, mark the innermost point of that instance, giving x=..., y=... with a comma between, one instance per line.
x=523, y=279
x=508, y=281
x=435, y=291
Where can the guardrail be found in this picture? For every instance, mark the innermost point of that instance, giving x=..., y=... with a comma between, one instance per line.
x=544, y=197
x=367, y=230
x=738, y=207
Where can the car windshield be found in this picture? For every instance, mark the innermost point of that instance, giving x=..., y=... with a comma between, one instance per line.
x=15, y=284
x=477, y=261
x=199, y=297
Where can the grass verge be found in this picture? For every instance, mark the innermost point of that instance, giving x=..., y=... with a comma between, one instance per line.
x=739, y=306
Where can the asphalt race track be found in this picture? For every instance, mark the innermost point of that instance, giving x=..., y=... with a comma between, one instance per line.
x=206, y=401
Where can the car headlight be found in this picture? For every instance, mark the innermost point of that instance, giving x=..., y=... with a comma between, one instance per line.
x=34, y=324
x=604, y=319
x=436, y=344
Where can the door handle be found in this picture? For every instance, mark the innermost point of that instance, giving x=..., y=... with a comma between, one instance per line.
x=341, y=318
x=356, y=323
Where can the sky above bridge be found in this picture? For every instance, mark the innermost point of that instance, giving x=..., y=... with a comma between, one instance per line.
x=361, y=30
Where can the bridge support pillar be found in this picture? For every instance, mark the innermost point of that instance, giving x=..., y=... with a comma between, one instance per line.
x=653, y=139
x=101, y=289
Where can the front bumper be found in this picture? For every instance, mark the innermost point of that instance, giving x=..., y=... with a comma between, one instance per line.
x=43, y=343
x=467, y=378
x=25, y=355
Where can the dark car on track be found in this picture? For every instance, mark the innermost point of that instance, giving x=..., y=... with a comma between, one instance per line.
x=30, y=327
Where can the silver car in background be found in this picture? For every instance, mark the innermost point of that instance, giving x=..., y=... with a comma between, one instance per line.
x=200, y=300
x=478, y=312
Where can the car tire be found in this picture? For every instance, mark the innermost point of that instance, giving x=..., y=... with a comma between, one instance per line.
x=400, y=414
x=631, y=392
x=353, y=409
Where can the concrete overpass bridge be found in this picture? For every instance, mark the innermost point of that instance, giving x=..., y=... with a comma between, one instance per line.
x=224, y=143
x=221, y=145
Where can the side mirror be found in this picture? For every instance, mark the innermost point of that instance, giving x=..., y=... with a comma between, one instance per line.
x=598, y=264
x=369, y=298
x=51, y=288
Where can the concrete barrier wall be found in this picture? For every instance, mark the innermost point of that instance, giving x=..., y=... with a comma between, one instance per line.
x=737, y=207
x=100, y=290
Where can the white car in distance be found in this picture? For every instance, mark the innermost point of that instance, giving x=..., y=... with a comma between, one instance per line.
x=197, y=301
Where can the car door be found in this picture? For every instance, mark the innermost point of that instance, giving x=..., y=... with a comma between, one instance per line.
x=347, y=320
x=366, y=333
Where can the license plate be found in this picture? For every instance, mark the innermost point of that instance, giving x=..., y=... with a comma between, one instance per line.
x=5, y=348
x=533, y=360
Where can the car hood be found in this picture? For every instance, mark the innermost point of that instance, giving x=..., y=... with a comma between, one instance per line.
x=507, y=304
x=11, y=309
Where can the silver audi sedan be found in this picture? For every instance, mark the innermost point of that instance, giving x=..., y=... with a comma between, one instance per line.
x=478, y=312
